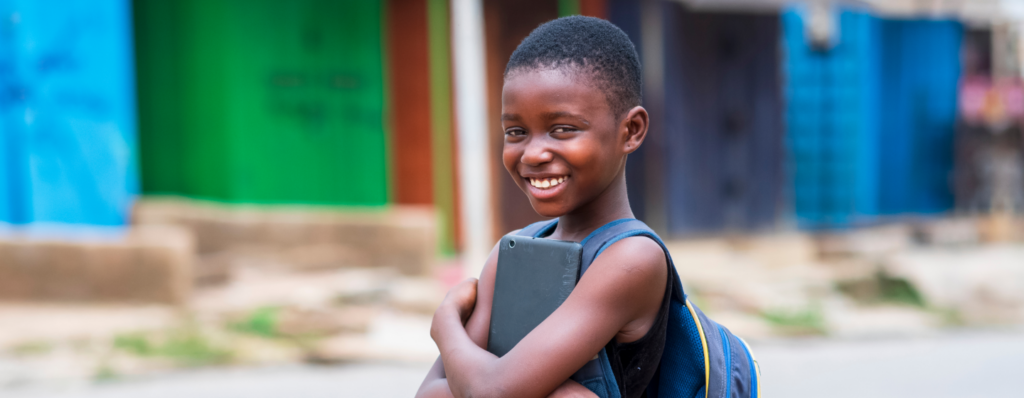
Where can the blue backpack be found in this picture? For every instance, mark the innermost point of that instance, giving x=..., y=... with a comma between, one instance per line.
x=702, y=359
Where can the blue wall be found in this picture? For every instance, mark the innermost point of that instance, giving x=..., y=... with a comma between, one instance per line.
x=870, y=121
x=67, y=112
x=920, y=72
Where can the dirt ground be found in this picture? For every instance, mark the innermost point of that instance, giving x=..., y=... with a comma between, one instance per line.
x=893, y=311
x=952, y=364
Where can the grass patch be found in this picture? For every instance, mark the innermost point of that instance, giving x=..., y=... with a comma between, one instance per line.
x=897, y=290
x=186, y=346
x=135, y=343
x=807, y=321
x=882, y=289
x=261, y=322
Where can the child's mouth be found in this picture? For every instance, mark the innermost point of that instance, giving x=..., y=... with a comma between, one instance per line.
x=546, y=183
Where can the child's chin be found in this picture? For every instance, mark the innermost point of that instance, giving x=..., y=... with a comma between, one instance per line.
x=550, y=210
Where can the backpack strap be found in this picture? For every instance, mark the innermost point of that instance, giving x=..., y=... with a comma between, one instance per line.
x=695, y=345
x=599, y=240
x=538, y=229
x=595, y=244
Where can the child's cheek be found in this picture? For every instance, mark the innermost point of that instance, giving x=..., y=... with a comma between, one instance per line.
x=508, y=159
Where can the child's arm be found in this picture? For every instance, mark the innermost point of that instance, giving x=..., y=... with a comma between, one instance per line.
x=478, y=326
x=618, y=297
x=436, y=386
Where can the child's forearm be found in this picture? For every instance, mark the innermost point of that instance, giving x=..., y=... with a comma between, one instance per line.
x=435, y=389
x=435, y=385
x=438, y=388
x=469, y=368
x=459, y=329
x=466, y=369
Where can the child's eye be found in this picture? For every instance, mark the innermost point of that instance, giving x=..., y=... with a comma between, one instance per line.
x=564, y=129
x=514, y=133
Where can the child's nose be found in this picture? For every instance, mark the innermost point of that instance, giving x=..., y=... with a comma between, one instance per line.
x=536, y=154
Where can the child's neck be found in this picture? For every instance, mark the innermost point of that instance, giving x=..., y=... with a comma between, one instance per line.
x=610, y=205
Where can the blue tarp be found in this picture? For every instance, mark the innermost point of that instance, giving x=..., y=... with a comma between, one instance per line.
x=870, y=121
x=67, y=112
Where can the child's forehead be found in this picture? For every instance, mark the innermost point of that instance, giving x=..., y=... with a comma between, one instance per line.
x=570, y=73
x=553, y=85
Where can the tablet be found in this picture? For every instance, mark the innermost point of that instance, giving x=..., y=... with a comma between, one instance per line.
x=534, y=277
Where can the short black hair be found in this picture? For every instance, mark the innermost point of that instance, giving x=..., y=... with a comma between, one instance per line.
x=595, y=46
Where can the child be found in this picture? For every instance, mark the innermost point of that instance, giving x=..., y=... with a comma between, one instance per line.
x=571, y=114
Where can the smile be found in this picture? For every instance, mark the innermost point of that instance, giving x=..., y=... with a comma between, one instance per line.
x=546, y=183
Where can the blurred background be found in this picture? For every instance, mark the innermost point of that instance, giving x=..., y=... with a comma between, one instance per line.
x=219, y=198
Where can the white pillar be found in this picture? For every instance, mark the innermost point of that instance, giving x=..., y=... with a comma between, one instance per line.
x=471, y=113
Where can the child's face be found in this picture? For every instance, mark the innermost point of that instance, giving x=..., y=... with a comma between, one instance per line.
x=563, y=144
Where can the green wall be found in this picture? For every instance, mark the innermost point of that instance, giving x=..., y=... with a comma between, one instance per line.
x=262, y=101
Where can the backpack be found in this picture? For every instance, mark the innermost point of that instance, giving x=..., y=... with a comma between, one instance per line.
x=702, y=359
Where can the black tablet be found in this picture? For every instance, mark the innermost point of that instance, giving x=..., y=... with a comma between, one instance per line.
x=534, y=277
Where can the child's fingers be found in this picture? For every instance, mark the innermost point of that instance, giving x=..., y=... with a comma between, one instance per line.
x=471, y=281
x=463, y=297
x=465, y=290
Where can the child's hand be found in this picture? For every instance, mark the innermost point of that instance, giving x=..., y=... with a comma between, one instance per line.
x=462, y=298
x=458, y=302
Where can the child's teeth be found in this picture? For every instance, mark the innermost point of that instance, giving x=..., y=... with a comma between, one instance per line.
x=546, y=182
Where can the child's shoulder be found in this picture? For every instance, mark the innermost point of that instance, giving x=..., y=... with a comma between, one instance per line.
x=635, y=254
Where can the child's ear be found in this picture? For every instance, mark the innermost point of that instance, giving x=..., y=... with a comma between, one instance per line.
x=634, y=128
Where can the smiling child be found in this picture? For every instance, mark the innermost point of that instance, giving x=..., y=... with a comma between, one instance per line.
x=571, y=115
